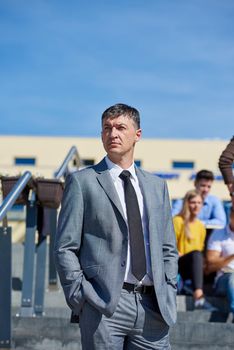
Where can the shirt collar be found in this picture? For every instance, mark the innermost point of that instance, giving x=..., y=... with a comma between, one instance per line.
x=206, y=200
x=116, y=170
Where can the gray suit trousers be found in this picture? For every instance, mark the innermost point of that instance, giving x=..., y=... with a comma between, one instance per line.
x=136, y=324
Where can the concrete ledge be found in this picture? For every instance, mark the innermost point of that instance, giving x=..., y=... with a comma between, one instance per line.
x=45, y=333
x=186, y=303
x=188, y=346
x=57, y=333
x=218, y=334
x=204, y=316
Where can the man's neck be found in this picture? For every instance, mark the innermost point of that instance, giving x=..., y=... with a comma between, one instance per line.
x=122, y=162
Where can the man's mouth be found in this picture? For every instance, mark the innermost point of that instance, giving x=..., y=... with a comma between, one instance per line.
x=113, y=144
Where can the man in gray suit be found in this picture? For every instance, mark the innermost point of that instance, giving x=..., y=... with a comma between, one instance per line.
x=115, y=248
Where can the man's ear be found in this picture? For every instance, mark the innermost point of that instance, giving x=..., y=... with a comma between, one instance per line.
x=138, y=134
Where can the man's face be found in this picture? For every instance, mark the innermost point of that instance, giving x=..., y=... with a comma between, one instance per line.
x=203, y=186
x=119, y=136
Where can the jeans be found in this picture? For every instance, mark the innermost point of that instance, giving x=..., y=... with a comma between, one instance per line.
x=225, y=287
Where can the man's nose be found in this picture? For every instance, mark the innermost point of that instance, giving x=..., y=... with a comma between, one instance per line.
x=113, y=133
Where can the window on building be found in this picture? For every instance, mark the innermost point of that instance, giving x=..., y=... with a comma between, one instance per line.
x=167, y=176
x=25, y=161
x=192, y=177
x=17, y=212
x=216, y=177
x=88, y=162
x=182, y=164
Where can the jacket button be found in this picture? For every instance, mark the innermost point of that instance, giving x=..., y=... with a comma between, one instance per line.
x=123, y=263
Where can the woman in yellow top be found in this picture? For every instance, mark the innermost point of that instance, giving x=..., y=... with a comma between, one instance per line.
x=190, y=236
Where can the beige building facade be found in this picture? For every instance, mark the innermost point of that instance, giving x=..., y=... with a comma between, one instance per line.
x=176, y=160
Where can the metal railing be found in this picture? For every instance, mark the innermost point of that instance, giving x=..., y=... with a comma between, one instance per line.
x=33, y=279
x=72, y=155
x=5, y=261
x=14, y=194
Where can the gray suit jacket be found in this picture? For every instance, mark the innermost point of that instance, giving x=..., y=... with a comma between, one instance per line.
x=92, y=239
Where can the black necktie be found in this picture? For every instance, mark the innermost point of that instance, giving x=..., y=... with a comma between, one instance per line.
x=136, y=238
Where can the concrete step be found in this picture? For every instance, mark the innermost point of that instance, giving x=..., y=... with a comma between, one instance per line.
x=204, y=316
x=56, y=333
x=45, y=333
x=184, y=346
x=204, y=334
x=186, y=303
x=56, y=298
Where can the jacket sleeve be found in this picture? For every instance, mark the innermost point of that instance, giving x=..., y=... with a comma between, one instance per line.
x=170, y=253
x=225, y=162
x=67, y=244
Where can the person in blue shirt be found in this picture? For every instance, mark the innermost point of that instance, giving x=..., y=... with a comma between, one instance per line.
x=212, y=212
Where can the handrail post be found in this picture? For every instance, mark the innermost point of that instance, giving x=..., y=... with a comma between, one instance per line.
x=41, y=258
x=62, y=171
x=52, y=270
x=5, y=287
x=40, y=276
x=29, y=256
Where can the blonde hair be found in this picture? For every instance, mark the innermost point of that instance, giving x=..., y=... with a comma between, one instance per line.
x=185, y=212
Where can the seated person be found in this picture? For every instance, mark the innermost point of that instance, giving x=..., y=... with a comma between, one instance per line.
x=225, y=165
x=212, y=211
x=190, y=236
x=220, y=258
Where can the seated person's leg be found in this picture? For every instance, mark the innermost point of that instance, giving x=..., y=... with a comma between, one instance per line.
x=230, y=291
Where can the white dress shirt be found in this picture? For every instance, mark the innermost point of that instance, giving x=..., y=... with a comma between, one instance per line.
x=115, y=171
x=222, y=241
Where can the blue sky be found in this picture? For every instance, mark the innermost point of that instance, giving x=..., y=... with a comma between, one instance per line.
x=62, y=63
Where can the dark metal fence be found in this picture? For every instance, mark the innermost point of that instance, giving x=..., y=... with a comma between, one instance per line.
x=43, y=220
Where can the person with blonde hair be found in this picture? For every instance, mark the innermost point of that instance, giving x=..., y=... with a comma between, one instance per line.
x=190, y=236
x=212, y=211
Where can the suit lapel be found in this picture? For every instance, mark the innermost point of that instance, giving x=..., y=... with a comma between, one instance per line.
x=151, y=196
x=106, y=182
x=146, y=191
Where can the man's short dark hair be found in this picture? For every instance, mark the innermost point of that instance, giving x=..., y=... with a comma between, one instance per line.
x=122, y=109
x=204, y=175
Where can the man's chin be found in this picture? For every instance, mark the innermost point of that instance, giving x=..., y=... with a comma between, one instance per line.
x=114, y=149
x=204, y=196
x=114, y=154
